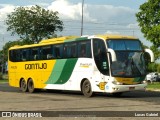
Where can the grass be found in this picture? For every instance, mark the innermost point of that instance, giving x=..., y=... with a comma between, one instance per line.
x=153, y=86
x=3, y=81
x=3, y=78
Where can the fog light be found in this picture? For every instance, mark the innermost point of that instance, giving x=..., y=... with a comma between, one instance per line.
x=115, y=89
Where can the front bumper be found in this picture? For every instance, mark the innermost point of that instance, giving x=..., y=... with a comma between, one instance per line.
x=124, y=88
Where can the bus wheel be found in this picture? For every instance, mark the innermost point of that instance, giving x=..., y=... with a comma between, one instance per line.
x=23, y=85
x=31, y=88
x=86, y=89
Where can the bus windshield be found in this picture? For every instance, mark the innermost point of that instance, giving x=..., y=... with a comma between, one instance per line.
x=124, y=44
x=130, y=59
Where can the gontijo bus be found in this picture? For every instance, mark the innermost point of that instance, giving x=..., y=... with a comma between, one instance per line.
x=102, y=63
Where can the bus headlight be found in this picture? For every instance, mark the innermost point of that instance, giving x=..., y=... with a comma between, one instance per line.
x=117, y=83
x=144, y=82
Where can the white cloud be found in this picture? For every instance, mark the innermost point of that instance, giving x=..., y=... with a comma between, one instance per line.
x=4, y=10
x=97, y=18
x=133, y=26
x=70, y=11
x=92, y=13
x=112, y=32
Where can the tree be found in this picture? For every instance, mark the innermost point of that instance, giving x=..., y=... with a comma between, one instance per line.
x=149, y=21
x=34, y=23
x=4, y=52
x=156, y=52
x=158, y=68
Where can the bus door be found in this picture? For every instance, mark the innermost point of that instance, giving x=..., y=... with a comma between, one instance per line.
x=101, y=60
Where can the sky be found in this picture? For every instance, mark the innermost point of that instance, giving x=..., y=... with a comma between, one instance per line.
x=100, y=16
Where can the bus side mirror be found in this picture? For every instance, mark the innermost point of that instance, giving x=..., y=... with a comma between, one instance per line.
x=113, y=54
x=150, y=54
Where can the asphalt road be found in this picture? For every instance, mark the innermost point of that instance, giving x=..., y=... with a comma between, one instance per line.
x=12, y=99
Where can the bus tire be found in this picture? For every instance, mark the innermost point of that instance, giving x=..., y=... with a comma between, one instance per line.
x=23, y=85
x=30, y=85
x=87, y=89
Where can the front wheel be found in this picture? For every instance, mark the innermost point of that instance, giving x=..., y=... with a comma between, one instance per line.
x=87, y=89
x=30, y=85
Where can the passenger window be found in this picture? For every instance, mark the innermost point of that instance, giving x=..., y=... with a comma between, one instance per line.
x=70, y=50
x=35, y=54
x=18, y=55
x=46, y=53
x=84, y=49
x=25, y=55
x=58, y=51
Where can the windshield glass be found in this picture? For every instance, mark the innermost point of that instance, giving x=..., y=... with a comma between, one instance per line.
x=124, y=44
x=128, y=64
x=130, y=58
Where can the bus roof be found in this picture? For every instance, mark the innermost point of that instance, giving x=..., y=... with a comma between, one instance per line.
x=112, y=36
x=73, y=38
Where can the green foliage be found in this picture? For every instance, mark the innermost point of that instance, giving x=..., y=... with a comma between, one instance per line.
x=4, y=52
x=34, y=23
x=154, y=67
x=156, y=52
x=1, y=76
x=158, y=68
x=149, y=21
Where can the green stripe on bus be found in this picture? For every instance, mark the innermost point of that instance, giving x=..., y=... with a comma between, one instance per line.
x=56, y=72
x=62, y=71
x=71, y=40
x=76, y=39
x=67, y=71
x=81, y=38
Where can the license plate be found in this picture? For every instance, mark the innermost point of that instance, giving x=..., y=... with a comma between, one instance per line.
x=131, y=88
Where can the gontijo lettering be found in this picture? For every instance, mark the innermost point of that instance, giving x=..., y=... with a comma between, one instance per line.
x=36, y=66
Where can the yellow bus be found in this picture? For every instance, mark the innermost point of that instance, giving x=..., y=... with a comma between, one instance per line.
x=100, y=63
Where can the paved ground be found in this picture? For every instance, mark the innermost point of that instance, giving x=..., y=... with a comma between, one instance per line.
x=12, y=99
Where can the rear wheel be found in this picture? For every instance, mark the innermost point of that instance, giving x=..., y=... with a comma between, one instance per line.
x=30, y=85
x=23, y=85
x=86, y=89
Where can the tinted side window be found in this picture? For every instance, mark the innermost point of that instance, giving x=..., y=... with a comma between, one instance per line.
x=13, y=56
x=46, y=52
x=84, y=49
x=24, y=54
x=18, y=55
x=58, y=51
x=70, y=50
x=35, y=54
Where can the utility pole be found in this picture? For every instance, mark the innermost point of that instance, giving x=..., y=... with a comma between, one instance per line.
x=2, y=65
x=133, y=32
x=82, y=18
